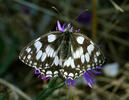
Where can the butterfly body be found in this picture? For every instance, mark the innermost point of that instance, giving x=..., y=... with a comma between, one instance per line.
x=65, y=51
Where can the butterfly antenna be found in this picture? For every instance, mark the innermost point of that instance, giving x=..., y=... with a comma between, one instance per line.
x=57, y=11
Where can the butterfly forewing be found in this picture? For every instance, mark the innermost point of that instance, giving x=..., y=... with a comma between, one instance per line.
x=42, y=53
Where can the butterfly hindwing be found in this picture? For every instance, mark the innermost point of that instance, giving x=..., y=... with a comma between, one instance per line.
x=42, y=53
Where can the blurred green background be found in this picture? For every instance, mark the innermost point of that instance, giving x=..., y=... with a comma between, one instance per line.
x=105, y=21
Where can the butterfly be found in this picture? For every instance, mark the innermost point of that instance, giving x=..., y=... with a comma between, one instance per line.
x=64, y=53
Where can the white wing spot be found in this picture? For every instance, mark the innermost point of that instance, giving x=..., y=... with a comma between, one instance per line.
x=93, y=64
x=24, y=57
x=43, y=70
x=72, y=63
x=71, y=75
x=43, y=57
x=38, y=45
x=55, y=75
x=78, y=53
x=27, y=61
x=88, y=66
x=80, y=39
x=47, y=49
x=35, y=63
x=46, y=64
x=50, y=51
x=97, y=53
x=65, y=73
x=38, y=39
x=99, y=61
x=29, y=56
x=82, y=59
x=28, y=50
x=67, y=62
x=95, y=59
x=30, y=62
x=55, y=72
x=39, y=54
x=87, y=57
x=90, y=48
x=49, y=73
x=91, y=42
x=56, y=60
x=76, y=73
x=78, y=66
x=51, y=38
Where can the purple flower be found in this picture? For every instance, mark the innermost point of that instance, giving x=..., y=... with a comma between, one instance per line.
x=85, y=18
x=40, y=75
x=88, y=75
x=63, y=27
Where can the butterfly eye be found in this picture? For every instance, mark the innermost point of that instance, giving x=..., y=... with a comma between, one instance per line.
x=69, y=54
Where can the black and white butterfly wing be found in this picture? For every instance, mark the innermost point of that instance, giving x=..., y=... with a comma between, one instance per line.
x=85, y=55
x=42, y=54
x=62, y=53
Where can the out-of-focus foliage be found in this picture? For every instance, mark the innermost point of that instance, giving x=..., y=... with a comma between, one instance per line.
x=21, y=21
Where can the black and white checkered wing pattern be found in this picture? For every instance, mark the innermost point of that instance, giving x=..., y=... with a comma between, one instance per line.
x=42, y=54
x=84, y=56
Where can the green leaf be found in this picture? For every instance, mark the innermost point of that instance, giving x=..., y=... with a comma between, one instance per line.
x=44, y=94
x=60, y=85
x=52, y=86
x=52, y=82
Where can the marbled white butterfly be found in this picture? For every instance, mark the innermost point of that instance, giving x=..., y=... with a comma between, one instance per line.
x=64, y=52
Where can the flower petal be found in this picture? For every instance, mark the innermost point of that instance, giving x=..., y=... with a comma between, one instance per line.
x=87, y=80
x=63, y=27
x=59, y=26
x=65, y=81
x=73, y=84
x=69, y=81
x=69, y=25
x=90, y=78
x=43, y=77
x=91, y=74
x=97, y=72
x=36, y=71
x=98, y=67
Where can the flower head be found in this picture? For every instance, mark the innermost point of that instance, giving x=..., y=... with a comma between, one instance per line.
x=64, y=27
